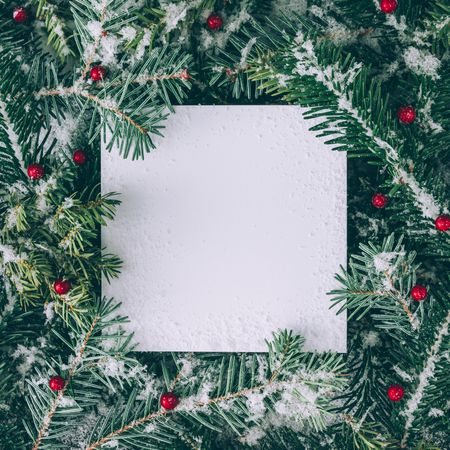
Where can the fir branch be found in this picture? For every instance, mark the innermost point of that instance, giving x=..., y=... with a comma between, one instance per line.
x=93, y=49
x=337, y=83
x=284, y=355
x=198, y=407
x=304, y=57
x=424, y=378
x=56, y=27
x=46, y=422
x=377, y=276
x=131, y=106
x=104, y=104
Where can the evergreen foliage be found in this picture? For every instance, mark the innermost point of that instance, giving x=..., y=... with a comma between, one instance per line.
x=345, y=62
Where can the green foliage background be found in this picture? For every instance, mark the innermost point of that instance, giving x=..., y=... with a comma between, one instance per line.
x=349, y=64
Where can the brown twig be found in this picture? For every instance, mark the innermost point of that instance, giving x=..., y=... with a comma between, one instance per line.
x=75, y=90
x=163, y=412
x=403, y=303
x=177, y=379
x=54, y=405
x=394, y=294
x=183, y=75
x=276, y=372
x=198, y=405
x=102, y=103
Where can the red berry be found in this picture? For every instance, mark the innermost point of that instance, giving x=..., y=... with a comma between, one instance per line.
x=185, y=75
x=388, y=6
x=395, y=392
x=214, y=22
x=20, y=15
x=35, y=171
x=62, y=287
x=169, y=400
x=98, y=73
x=419, y=293
x=406, y=114
x=379, y=200
x=56, y=383
x=442, y=222
x=79, y=157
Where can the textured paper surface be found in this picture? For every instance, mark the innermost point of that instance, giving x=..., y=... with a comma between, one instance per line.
x=232, y=229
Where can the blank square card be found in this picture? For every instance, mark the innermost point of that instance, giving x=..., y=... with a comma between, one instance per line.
x=231, y=229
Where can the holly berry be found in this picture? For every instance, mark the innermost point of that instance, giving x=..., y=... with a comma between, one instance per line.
x=395, y=392
x=98, y=73
x=169, y=400
x=388, y=6
x=442, y=222
x=214, y=22
x=79, y=157
x=406, y=114
x=62, y=287
x=20, y=15
x=56, y=383
x=379, y=200
x=35, y=171
x=419, y=293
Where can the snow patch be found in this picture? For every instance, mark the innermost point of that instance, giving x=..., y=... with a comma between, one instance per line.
x=422, y=62
x=403, y=375
x=424, y=201
x=371, y=339
x=49, y=311
x=435, y=412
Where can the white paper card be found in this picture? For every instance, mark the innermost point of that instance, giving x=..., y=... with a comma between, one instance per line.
x=232, y=229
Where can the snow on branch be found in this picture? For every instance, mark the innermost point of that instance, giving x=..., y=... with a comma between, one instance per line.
x=292, y=394
x=295, y=395
x=339, y=84
x=378, y=279
x=424, y=378
x=417, y=56
x=234, y=23
x=59, y=398
x=424, y=201
x=110, y=104
x=12, y=135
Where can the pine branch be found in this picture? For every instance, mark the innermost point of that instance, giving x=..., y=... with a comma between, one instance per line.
x=380, y=279
x=316, y=74
x=72, y=368
x=95, y=345
x=427, y=374
x=48, y=233
x=131, y=107
x=290, y=370
x=56, y=28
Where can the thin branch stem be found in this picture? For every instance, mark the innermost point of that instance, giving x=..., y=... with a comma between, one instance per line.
x=182, y=75
x=176, y=379
x=55, y=403
x=399, y=297
x=102, y=103
x=90, y=58
x=75, y=90
x=198, y=405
